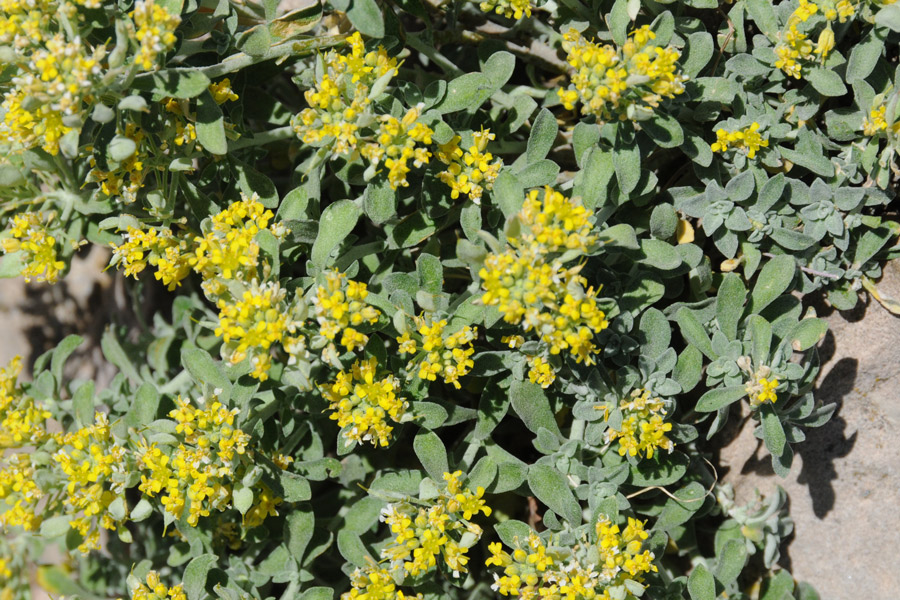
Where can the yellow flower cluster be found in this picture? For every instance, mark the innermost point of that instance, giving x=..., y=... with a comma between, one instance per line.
x=399, y=141
x=19, y=493
x=447, y=356
x=179, y=129
x=197, y=473
x=643, y=429
x=761, y=390
x=155, y=32
x=254, y=315
x=154, y=589
x=553, y=223
x=340, y=308
x=157, y=247
x=375, y=583
x=5, y=571
x=343, y=95
x=54, y=79
x=841, y=10
x=126, y=178
x=794, y=48
x=620, y=83
x=471, y=172
x=748, y=139
x=876, y=122
x=532, y=287
x=22, y=420
x=261, y=318
x=422, y=535
x=90, y=458
x=511, y=9
x=229, y=250
x=30, y=235
x=614, y=560
x=361, y=403
x=540, y=372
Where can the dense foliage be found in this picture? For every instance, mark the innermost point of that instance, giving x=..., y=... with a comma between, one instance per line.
x=459, y=296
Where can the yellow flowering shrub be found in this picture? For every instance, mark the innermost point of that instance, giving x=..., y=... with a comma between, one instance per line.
x=380, y=268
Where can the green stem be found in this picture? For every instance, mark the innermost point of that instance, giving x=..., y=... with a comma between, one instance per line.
x=263, y=138
x=439, y=59
x=239, y=61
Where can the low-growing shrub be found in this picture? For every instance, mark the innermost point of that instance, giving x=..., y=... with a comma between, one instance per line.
x=455, y=298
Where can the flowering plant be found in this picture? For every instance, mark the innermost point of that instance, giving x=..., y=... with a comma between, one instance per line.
x=457, y=297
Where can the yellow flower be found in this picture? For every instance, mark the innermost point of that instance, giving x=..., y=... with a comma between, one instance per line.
x=363, y=403
x=794, y=49
x=222, y=92
x=511, y=9
x=229, y=249
x=762, y=390
x=265, y=503
x=30, y=235
x=126, y=178
x=876, y=122
x=19, y=493
x=57, y=77
x=546, y=298
x=197, y=472
x=154, y=589
x=374, y=583
x=161, y=248
x=471, y=172
x=94, y=466
x=825, y=43
x=554, y=223
x=588, y=569
x=748, y=139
